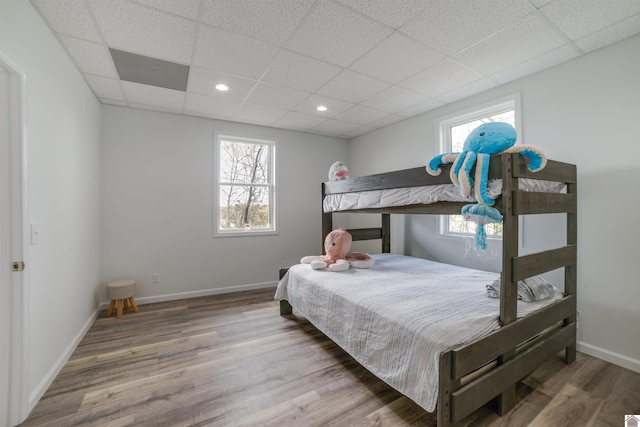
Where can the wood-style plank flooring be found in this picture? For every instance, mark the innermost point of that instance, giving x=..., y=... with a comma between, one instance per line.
x=232, y=360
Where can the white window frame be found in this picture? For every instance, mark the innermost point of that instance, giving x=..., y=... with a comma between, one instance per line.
x=443, y=127
x=271, y=143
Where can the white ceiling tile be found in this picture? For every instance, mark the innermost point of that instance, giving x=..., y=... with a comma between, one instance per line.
x=203, y=81
x=104, y=87
x=611, y=34
x=386, y=121
x=361, y=115
x=468, y=90
x=323, y=133
x=528, y=38
x=397, y=58
x=163, y=109
x=299, y=72
x=270, y=21
x=296, y=120
x=137, y=93
x=211, y=106
x=577, y=19
x=276, y=96
x=70, y=17
x=539, y=3
x=89, y=57
x=231, y=53
x=336, y=127
x=394, y=99
x=542, y=62
x=336, y=34
x=393, y=13
x=260, y=114
x=440, y=78
x=185, y=8
x=454, y=25
x=425, y=106
x=150, y=32
x=334, y=106
x=359, y=131
x=353, y=87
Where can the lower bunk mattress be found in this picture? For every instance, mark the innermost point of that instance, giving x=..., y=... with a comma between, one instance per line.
x=398, y=316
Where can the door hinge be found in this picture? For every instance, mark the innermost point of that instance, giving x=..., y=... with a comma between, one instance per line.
x=17, y=265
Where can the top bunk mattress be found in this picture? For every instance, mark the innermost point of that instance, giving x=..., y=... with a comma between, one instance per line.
x=425, y=195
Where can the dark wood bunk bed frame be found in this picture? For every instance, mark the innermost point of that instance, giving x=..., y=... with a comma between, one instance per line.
x=489, y=368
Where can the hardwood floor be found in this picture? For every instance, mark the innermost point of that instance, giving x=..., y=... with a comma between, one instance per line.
x=232, y=360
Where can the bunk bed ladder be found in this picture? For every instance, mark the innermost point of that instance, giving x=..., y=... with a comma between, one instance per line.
x=516, y=267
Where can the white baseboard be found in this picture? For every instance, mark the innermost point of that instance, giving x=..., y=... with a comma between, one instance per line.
x=37, y=393
x=195, y=294
x=609, y=356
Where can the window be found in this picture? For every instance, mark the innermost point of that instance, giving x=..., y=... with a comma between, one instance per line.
x=453, y=131
x=244, y=186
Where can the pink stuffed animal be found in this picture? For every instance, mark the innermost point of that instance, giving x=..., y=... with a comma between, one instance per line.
x=338, y=258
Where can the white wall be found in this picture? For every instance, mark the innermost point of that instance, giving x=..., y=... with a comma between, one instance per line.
x=157, y=204
x=63, y=132
x=584, y=112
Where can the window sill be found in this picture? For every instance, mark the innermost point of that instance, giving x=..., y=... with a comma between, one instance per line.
x=247, y=233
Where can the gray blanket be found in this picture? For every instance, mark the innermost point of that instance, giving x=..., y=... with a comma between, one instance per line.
x=530, y=289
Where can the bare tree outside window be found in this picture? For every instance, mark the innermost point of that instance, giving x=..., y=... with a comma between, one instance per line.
x=460, y=132
x=245, y=185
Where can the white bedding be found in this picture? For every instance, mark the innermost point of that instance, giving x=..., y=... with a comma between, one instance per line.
x=397, y=317
x=425, y=195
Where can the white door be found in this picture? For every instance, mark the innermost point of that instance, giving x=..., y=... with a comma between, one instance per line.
x=5, y=254
x=13, y=400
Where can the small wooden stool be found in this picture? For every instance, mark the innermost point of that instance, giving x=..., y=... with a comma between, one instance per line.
x=122, y=292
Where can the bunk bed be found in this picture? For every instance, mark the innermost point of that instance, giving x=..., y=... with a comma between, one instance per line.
x=482, y=365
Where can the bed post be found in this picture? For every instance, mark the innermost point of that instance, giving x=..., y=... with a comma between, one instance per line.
x=508, y=288
x=327, y=219
x=446, y=386
x=285, y=307
x=386, y=233
x=570, y=271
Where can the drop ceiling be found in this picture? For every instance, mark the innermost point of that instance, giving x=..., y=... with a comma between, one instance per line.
x=370, y=62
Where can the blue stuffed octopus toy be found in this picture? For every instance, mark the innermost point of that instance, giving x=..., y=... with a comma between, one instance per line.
x=483, y=142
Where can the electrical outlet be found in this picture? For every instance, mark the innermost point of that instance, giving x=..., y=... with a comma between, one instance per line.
x=156, y=277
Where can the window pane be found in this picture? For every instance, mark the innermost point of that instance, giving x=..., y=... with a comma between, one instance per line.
x=245, y=163
x=458, y=225
x=460, y=132
x=244, y=194
x=244, y=207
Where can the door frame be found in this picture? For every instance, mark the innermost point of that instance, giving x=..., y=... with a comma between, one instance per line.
x=19, y=244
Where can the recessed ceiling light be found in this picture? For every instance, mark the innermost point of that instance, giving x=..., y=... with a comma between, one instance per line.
x=222, y=87
x=321, y=108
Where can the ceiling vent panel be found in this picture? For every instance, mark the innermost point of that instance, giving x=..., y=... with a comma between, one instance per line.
x=150, y=71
